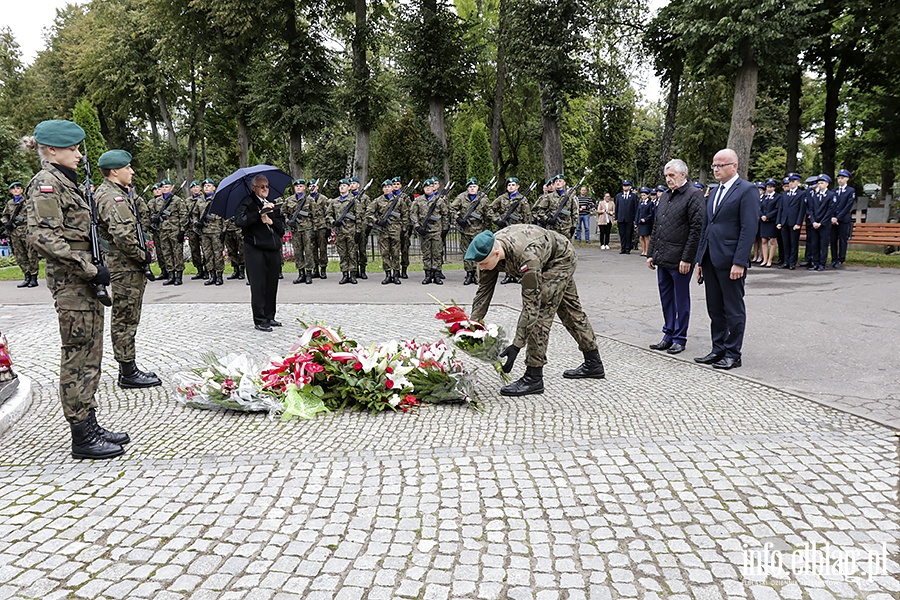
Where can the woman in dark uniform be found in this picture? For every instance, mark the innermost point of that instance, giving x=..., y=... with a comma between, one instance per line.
x=645, y=212
x=768, y=222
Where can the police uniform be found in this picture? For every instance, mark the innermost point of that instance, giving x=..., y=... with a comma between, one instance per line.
x=15, y=217
x=841, y=224
x=820, y=210
x=429, y=216
x=545, y=261
x=790, y=220
x=194, y=207
x=128, y=261
x=626, y=211
x=348, y=221
x=323, y=229
x=388, y=215
x=302, y=221
x=472, y=215
x=59, y=220
x=212, y=231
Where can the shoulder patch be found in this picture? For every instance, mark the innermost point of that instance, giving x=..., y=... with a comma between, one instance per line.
x=119, y=199
x=524, y=269
x=46, y=189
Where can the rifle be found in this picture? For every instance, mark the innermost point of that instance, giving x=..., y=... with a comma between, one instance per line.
x=464, y=220
x=426, y=224
x=385, y=219
x=346, y=213
x=562, y=204
x=512, y=208
x=142, y=239
x=158, y=217
x=299, y=212
x=15, y=218
x=96, y=257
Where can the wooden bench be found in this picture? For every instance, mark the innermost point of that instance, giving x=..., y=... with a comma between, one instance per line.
x=872, y=234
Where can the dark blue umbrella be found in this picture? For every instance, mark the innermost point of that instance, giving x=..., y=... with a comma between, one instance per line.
x=236, y=187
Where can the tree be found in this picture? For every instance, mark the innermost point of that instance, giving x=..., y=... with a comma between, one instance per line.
x=400, y=150
x=479, y=155
x=86, y=116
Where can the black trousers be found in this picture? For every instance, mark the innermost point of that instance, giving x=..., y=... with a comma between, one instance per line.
x=840, y=235
x=604, y=231
x=626, y=231
x=819, y=240
x=791, y=239
x=725, y=305
x=263, y=267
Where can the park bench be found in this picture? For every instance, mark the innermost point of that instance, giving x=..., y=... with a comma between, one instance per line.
x=872, y=234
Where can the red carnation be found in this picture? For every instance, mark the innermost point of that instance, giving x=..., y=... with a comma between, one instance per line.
x=357, y=366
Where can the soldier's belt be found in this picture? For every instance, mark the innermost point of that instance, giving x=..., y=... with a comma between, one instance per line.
x=80, y=246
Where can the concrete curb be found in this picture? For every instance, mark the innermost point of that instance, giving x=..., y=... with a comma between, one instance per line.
x=17, y=405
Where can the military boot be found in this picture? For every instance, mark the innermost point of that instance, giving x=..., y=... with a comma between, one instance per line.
x=309, y=277
x=403, y=274
x=110, y=436
x=178, y=275
x=219, y=278
x=470, y=278
x=25, y=282
x=131, y=378
x=235, y=274
x=345, y=278
x=163, y=275
x=388, y=278
x=437, y=277
x=88, y=443
x=362, y=272
x=353, y=277
x=201, y=274
x=532, y=382
x=591, y=368
x=323, y=274
x=171, y=278
x=428, y=277
x=439, y=274
x=301, y=277
x=241, y=272
x=396, y=277
x=34, y=281
x=211, y=280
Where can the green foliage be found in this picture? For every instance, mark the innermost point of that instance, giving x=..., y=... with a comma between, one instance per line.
x=611, y=153
x=768, y=164
x=478, y=163
x=86, y=115
x=400, y=150
x=13, y=165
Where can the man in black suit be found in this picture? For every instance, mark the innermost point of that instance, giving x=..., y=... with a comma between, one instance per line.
x=790, y=220
x=844, y=199
x=263, y=227
x=626, y=210
x=729, y=230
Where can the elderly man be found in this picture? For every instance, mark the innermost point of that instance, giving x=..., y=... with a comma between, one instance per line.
x=730, y=222
x=673, y=246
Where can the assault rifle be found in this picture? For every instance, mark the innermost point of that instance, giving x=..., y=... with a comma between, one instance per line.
x=423, y=228
x=15, y=219
x=163, y=212
x=100, y=291
x=299, y=212
x=385, y=219
x=510, y=216
x=346, y=213
x=562, y=205
x=142, y=239
x=464, y=220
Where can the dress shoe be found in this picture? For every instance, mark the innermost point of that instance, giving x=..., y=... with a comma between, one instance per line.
x=676, y=349
x=785, y=267
x=262, y=327
x=662, y=345
x=820, y=268
x=837, y=265
x=274, y=323
x=727, y=363
x=709, y=358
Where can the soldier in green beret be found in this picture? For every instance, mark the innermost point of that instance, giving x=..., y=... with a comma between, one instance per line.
x=302, y=220
x=152, y=206
x=348, y=221
x=509, y=209
x=471, y=212
x=15, y=218
x=233, y=240
x=388, y=216
x=406, y=230
x=429, y=216
x=212, y=232
x=128, y=262
x=169, y=223
x=59, y=225
x=194, y=207
x=323, y=229
x=362, y=237
x=557, y=210
x=545, y=260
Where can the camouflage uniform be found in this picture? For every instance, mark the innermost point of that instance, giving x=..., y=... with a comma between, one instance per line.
x=303, y=231
x=521, y=214
x=389, y=228
x=545, y=260
x=362, y=242
x=59, y=228
x=170, y=230
x=546, y=208
x=26, y=256
x=430, y=231
x=194, y=207
x=346, y=233
x=125, y=260
x=405, y=233
x=478, y=221
x=212, y=230
x=323, y=232
x=233, y=238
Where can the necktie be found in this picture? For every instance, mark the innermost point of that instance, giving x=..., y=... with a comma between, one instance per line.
x=718, y=198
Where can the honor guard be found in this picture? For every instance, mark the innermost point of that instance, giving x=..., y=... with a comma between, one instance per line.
x=302, y=221
x=323, y=229
x=212, y=229
x=512, y=208
x=389, y=216
x=362, y=238
x=348, y=222
x=471, y=212
x=15, y=219
x=169, y=222
x=194, y=207
x=430, y=216
x=406, y=230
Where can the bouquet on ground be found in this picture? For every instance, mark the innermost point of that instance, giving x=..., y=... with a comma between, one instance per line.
x=479, y=340
x=231, y=382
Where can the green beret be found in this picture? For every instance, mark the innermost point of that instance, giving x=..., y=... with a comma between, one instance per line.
x=481, y=246
x=550, y=181
x=14, y=184
x=387, y=182
x=560, y=176
x=165, y=182
x=299, y=182
x=430, y=181
x=156, y=186
x=114, y=159
x=512, y=180
x=344, y=182
x=472, y=181
x=59, y=134
x=354, y=179
x=395, y=180
x=194, y=182
x=209, y=180
x=313, y=182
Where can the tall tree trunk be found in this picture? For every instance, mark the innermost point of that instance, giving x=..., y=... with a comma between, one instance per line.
x=499, y=90
x=834, y=79
x=550, y=138
x=154, y=136
x=295, y=152
x=294, y=50
x=704, y=160
x=170, y=128
x=243, y=139
x=361, y=105
x=888, y=175
x=665, y=146
x=436, y=125
x=361, y=153
x=743, y=109
x=795, y=88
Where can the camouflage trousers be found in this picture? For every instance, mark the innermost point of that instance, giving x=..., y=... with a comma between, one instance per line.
x=320, y=250
x=362, y=249
x=81, y=335
x=405, y=241
x=234, y=247
x=160, y=254
x=173, y=247
x=303, y=243
x=127, y=289
x=212, y=252
x=26, y=257
x=558, y=297
x=464, y=240
x=432, y=250
x=195, y=244
x=348, y=250
x=389, y=244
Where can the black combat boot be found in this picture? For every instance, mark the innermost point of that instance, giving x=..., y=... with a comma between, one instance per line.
x=508, y=279
x=241, y=274
x=353, y=277
x=235, y=273
x=532, y=382
x=345, y=278
x=34, y=281
x=388, y=278
x=110, y=436
x=131, y=378
x=323, y=274
x=403, y=274
x=301, y=277
x=362, y=272
x=25, y=282
x=309, y=277
x=436, y=277
x=171, y=278
x=428, y=277
x=439, y=274
x=219, y=278
x=591, y=368
x=87, y=442
x=178, y=275
x=201, y=274
x=211, y=280
x=396, y=277
x=163, y=275
x=470, y=278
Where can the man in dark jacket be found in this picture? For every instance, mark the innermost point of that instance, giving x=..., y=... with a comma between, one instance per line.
x=673, y=247
x=626, y=211
x=263, y=227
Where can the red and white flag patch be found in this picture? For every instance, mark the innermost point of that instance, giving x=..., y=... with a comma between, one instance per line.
x=119, y=199
x=46, y=189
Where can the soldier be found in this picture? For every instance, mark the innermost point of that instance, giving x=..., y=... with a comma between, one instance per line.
x=546, y=262
x=59, y=221
x=406, y=230
x=153, y=206
x=389, y=215
x=212, y=230
x=169, y=221
x=562, y=208
x=233, y=240
x=509, y=209
x=16, y=219
x=362, y=236
x=303, y=218
x=348, y=221
x=472, y=213
x=195, y=208
x=128, y=262
x=429, y=216
x=323, y=229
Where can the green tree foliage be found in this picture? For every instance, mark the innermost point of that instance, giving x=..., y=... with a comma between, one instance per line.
x=400, y=150
x=479, y=156
x=85, y=115
x=768, y=164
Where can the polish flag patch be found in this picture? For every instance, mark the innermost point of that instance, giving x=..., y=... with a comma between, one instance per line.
x=46, y=189
x=119, y=199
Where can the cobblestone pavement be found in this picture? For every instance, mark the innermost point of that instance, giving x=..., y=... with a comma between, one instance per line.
x=666, y=480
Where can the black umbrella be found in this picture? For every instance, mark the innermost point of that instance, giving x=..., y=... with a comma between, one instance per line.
x=236, y=187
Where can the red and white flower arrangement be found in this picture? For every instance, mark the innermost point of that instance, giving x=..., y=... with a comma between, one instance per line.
x=477, y=339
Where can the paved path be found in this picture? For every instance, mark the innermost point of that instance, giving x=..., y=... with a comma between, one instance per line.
x=660, y=482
